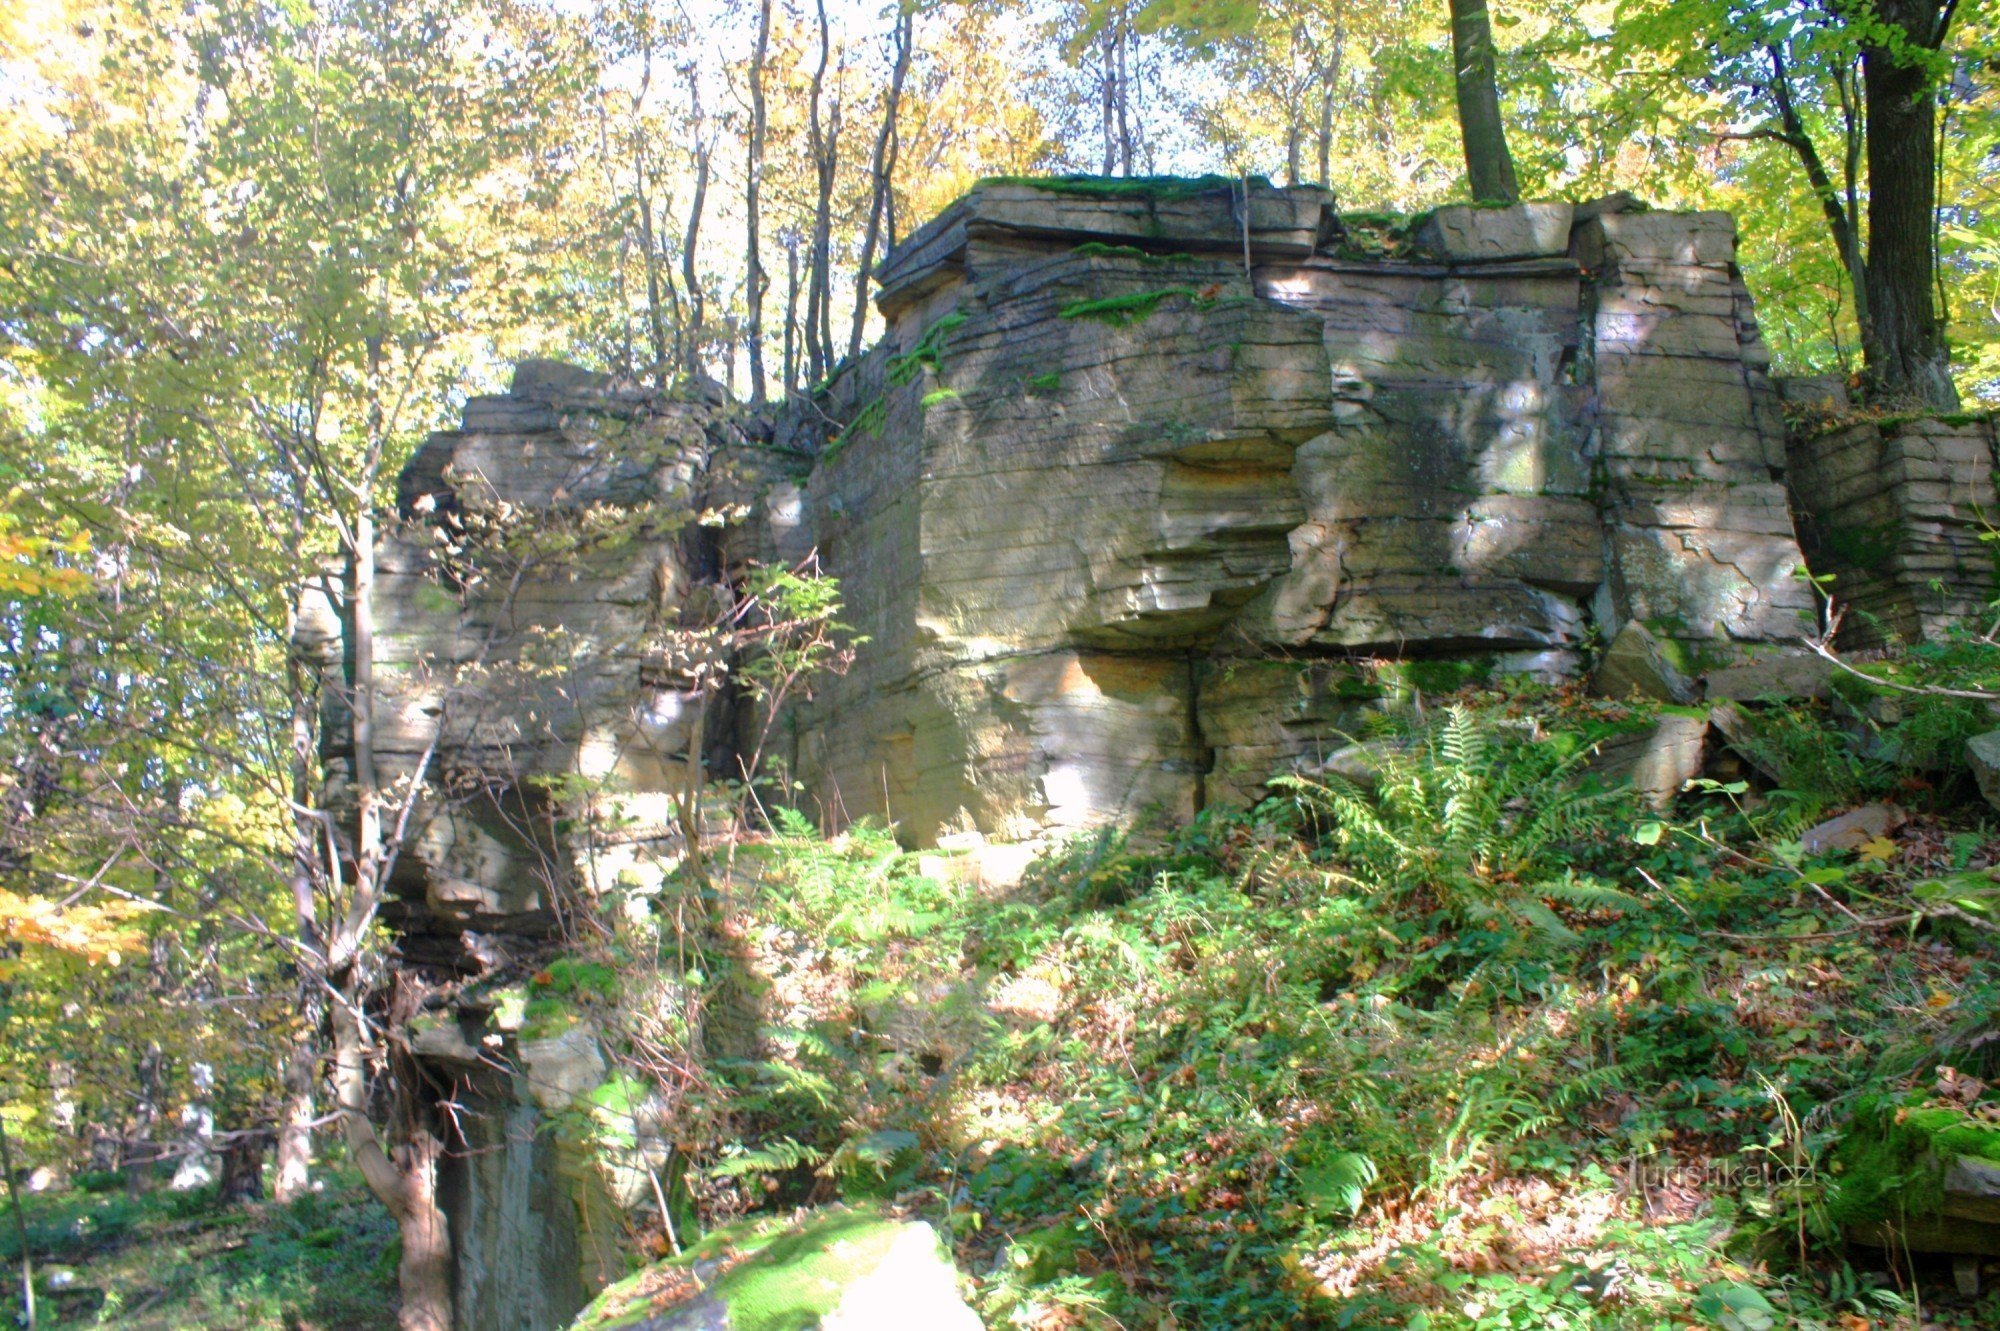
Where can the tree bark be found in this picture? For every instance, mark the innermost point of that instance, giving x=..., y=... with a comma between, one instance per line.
x=882, y=172
x=1108, y=96
x=1839, y=221
x=823, y=127
x=242, y=1174
x=292, y=1178
x=1489, y=166
x=754, y=280
x=791, y=312
x=405, y=1184
x=424, y=1274
x=20, y=1230
x=294, y=1168
x=1908, y=359
x=690, y=276
x=1329, y=81
x=1122, y=37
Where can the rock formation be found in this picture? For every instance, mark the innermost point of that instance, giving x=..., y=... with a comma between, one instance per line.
x=1896, y=512
x=1135, y=474
x=1148, y=492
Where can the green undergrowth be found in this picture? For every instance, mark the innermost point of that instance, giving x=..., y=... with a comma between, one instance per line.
x=1468, y=1039
x=168, y=1261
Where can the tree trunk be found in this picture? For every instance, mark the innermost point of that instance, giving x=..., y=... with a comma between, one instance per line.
x=1488, y=164
x=1908, y=362
x=1122, y=38
x=294, y=1171
x=824, y=129
x=407, y=1184
x=20, y=1230
x=151, y=1078
x=424, y=1274
x=1839, y=220
x=292, y=1178
x=242, y=1175
x=791, y=312
x=754, y=280
x=1329, y=82
x=882, y=171
x=690, y=277
x=1108, y=83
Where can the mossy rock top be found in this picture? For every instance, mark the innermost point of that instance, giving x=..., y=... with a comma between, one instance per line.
x=837, y=1267
x=1895, y=1156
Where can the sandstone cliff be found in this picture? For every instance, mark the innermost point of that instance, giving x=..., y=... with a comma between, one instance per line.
x=1134, y=475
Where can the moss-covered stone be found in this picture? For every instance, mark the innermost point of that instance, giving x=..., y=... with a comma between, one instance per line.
x=791, y=1273
x=1893, y=1160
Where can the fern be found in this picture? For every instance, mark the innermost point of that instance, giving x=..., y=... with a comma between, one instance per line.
x=1475, y=816
x=775, y=1157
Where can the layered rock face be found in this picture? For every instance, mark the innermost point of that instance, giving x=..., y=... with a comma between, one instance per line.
x=1134, y=472
x=518, y=609
x=1897, y=511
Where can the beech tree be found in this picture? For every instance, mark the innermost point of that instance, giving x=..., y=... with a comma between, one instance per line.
x=1850, y=93
x=1489, y=166
x=1908, y=359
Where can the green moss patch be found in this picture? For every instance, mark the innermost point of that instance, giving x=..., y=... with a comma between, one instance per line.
x=1123, y=311
x=1891, y=1163
x=927, y=354
x=1097, y=249
x=775, y=1273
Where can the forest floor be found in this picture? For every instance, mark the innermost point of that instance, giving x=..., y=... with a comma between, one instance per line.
x=1474, y=1046
x=168, y=1261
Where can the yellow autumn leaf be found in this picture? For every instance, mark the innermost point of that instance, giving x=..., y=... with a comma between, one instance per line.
x=1880, y=851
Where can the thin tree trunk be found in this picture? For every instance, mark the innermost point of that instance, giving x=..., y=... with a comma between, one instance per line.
x=1109, y=85
x=882, y=173
x=20, y=1229
x=656, y=304
x=294, y=1167
x=824, y=131
x=1329, y=83
x=791, y=312
x=754, y=279
x=151, y=1075
x=690, y=276
x=1839, y=221
x=1488, y=164
x=1907, y=357
x=1124, y=97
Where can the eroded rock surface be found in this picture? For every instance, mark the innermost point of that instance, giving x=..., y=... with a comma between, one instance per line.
x=1896, y=510
x=1130, y=476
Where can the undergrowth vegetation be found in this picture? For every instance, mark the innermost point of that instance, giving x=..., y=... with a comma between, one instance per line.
x=1460, y=1035
x=182, y=1261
